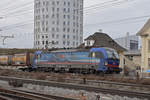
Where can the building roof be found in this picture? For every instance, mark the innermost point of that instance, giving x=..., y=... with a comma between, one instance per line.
x=104, y=40
x=143, y=31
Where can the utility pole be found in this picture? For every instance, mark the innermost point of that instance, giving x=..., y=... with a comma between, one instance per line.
x=6, y=37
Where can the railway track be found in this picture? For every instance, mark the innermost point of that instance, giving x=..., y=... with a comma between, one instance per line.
x=110, y=91
x=90, y=82
x=4, y=98
x=16, y=94
x=79, y=87
x=45, y=95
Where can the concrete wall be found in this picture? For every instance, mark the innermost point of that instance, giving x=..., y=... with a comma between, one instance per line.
x=126, y=63
x=145, y=53
x=137, y=60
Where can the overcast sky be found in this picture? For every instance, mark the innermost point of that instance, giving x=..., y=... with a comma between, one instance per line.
x=105, y=16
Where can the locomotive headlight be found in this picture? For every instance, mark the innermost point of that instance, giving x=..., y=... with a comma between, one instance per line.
x=106, y=63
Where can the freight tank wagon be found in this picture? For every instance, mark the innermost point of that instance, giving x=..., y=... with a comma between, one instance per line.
x=5, y=59
x=93, y=60
x=22, y=59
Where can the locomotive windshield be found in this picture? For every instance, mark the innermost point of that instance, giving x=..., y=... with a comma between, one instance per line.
x=38, y=57
x=96, y=55
x=112, y=54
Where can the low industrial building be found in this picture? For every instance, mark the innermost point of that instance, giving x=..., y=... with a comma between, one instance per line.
x=129, y=42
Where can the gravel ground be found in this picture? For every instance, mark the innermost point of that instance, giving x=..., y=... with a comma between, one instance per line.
x=60, y=77
x=74, y=93
x=70, y=93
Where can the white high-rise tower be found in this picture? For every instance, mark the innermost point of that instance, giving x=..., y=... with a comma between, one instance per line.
x=58, y=23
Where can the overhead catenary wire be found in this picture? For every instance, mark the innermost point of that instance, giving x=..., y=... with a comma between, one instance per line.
x=32, y=24
x=21, y=13
x=32, y=3
x=141, y=21
x=17, y=11
x=15, y=6
x=97, y=9
x=22, y=24
x=100, y=23
x=100, y=5
x=17, y=24
x=120, y=20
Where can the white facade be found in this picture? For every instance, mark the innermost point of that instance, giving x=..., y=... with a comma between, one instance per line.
x=129, y=42
x=58, y=23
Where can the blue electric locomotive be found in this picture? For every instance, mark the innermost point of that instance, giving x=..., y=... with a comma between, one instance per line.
x=77, y=60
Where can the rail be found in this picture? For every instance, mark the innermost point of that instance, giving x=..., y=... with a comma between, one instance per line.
x=79, y=87
x=27, y=95
x=46, y=95
x=5, y=98
x=20, y=95
x=84, y=81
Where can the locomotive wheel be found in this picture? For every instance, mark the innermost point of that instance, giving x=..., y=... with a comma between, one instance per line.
x=92, y=71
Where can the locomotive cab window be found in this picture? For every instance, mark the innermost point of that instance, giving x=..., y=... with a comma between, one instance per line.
x=38, y=57
x=96, y=55
x=112, y=54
